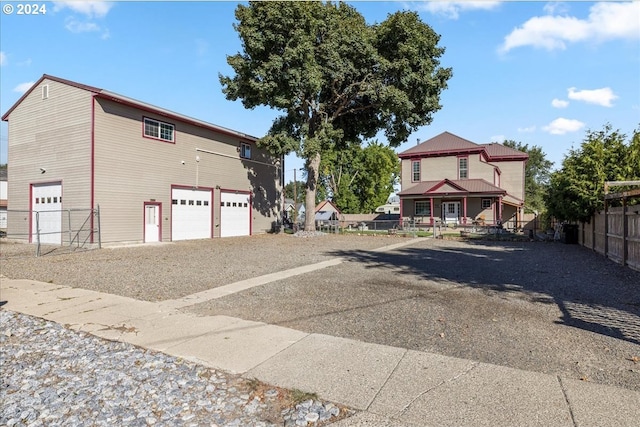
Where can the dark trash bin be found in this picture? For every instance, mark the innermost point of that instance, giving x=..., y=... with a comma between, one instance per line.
x=570, y=234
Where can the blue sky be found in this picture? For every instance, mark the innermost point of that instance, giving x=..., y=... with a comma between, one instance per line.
x=536, y=72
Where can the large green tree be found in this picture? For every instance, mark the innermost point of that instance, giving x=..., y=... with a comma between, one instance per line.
x=536, y=175
x=576, y=191
x=359, y=179
x=336, y=79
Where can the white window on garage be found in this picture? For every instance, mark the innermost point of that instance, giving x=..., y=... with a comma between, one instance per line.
x=158, y=130
x=245, y=150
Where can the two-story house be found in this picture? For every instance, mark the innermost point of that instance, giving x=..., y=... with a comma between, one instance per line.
x=457, y=181
x=155, y=175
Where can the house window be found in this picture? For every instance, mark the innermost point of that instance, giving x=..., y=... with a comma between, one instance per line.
x=463, y=168
x=423, y=208
x=415, y=171
x=486, y=203
x=158, y=130
x=245, y=151
x=45, y=91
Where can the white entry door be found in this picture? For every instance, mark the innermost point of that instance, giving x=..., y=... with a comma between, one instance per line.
x=151, y=223
x=235, y=214
x=451, y=212
x=46, y=216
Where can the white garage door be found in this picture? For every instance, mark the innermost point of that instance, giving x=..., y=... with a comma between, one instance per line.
x=235, y=214
x=190, y=214
x=46, y=218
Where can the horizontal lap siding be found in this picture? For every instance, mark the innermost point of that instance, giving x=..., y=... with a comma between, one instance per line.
x=55, y=134
x=130, y=169
x=512, y=177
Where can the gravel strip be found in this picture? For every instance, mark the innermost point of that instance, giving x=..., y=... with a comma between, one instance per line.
x=173, y=270
x=52, y=376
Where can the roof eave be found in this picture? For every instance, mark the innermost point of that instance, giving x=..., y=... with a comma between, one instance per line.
x=5, y=116
x=173, y=115
x=441, y=153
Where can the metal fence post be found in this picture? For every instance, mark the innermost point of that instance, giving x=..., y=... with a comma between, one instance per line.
x=37, y=234
x=99, y=232
x=70, y=238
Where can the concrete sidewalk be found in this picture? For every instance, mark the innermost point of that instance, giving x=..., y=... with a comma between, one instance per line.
x=392, y=386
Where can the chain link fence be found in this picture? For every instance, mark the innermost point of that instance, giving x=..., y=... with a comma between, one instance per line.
x=70, y=229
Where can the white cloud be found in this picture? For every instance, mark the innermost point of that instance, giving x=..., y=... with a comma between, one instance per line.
x=559, y=103
x=528, y=129
x=23, y=87
x=498, y=138
x=606, y=21
x=75, y=26
x=452, y=9
x=92, y=9
x=3, y=59
x=560, y=126
x=602, y=96
x=555, y=7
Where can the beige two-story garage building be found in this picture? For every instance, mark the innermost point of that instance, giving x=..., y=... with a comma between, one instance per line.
x=155, y=175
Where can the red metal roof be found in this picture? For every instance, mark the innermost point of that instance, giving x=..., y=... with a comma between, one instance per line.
x=499, y=151
x=451, y=186
x=447, y=144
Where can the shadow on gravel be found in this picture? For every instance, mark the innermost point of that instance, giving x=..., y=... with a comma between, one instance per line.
x=593, y=293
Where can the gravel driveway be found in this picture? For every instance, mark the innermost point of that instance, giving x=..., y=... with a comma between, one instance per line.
x=546, y=307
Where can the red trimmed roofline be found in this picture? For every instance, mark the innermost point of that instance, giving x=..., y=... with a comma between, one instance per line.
x=174, y=116
x=103, y=94
x=93, y=89
x=441, y=153
x=446, y=181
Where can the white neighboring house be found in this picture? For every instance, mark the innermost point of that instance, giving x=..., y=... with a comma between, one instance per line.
x=3, y=199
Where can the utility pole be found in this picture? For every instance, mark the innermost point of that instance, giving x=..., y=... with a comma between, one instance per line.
x=295, y=198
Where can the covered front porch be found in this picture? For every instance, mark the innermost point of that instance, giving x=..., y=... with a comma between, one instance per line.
x=458, y=203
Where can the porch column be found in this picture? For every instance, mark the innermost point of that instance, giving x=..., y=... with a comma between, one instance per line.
x=431, y=210
x=464, y=210
x=500, y=209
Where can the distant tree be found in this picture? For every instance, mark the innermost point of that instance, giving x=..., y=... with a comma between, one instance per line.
x=299, y=193
x=576, y=191
x=337, y=80
x=361, y=178
x=536, y=175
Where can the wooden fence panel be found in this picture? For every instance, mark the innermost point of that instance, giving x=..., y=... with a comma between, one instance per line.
x=633, y=237
x=618, y=238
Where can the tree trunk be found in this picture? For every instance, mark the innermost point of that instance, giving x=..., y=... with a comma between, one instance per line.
x=313, y=170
